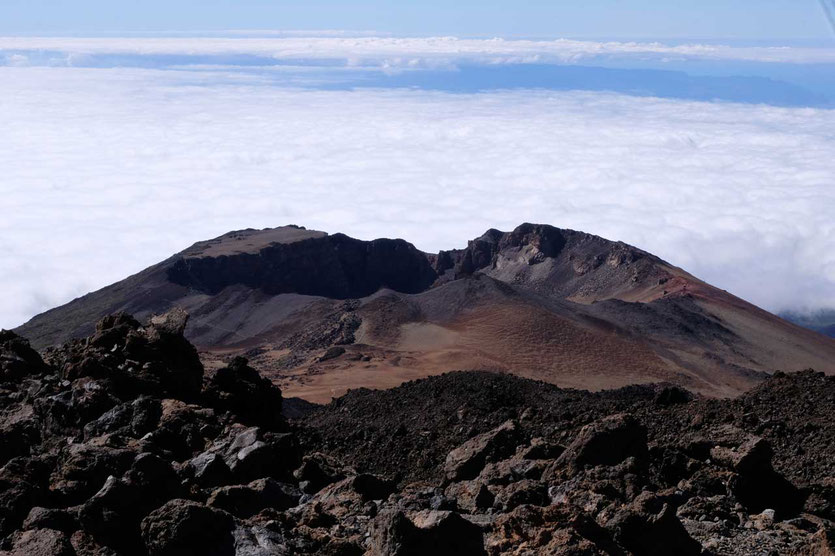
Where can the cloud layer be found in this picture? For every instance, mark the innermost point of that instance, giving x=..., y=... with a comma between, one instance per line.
x=105, y=172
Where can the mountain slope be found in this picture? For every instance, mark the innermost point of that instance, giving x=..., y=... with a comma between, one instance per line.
x=321, y=313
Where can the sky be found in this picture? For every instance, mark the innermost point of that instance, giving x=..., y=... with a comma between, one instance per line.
x=122, y=146
x=703, y=19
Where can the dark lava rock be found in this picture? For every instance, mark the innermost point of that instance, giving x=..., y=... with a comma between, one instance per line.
x=49, y=518
x=316, y=472
x=242, y=391
x=371, y=487
x=83, y=469
x=244, y=501
x=154, y=360
x=120, y=445
x=17, y=359
x=253, y=453
x=467, y=461
x=183, y=528
x=40, y=542
x=113, y=514
x=441, y=533
x=607, y=442
x=135, y=419
x=650, y=526
x=210, y=470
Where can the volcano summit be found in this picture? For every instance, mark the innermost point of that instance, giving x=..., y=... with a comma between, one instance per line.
x=321, y=314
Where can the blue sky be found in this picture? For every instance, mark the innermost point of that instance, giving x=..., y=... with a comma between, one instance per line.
x=703, y=19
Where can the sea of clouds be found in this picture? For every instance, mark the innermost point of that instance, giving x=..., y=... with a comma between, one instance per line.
x=105, y=171
x=411, y=51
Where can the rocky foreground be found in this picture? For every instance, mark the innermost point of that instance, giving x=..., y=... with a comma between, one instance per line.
x=123, y=444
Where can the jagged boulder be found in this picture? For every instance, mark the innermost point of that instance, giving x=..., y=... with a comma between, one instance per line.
x=209, y=470
x=649, y=526
x=244, y=501
x=83, y=400
x=556, y=529
x=83, y=468
x=316, y=472
x=467, y=460
x=242, y=391
x=85, y=545
x=471, y=496
x=186, y=528
x=754, y=482
x=17, y=358
x=254, y=453
x=19, y=430
x=433, y=532
x=40, y=542
x=182, y=429
x=608, y=441
x=353, y=495
x=113, y=514
x=533, y=493
x=24, y=483
x=59, y=519
x=135, y=419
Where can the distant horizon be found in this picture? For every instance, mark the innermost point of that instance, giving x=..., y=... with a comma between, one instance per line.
x=821, y=41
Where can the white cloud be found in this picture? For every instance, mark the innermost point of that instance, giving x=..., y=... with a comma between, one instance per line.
x=104, y=172
x=406, y=52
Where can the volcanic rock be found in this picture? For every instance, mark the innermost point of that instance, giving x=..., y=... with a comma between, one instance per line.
x=434, y=532
x=107, y=462
x=242, y=391
x=17, y=358
x=40, y=542
x=606, y=442
x=244, y=501
x=467, y=461
x=182, y=527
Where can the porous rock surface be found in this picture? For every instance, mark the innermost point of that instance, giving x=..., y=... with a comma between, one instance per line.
x=121, y=443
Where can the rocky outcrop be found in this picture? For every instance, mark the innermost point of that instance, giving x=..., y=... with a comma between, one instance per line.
x=467, y=461
x=531, y=243
x=335, y=266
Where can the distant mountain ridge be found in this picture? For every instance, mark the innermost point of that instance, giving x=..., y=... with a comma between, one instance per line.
x=322, y=313
x=822, y=321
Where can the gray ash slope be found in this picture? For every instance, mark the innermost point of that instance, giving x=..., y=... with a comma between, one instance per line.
x=562, y=306
x=122, y=443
